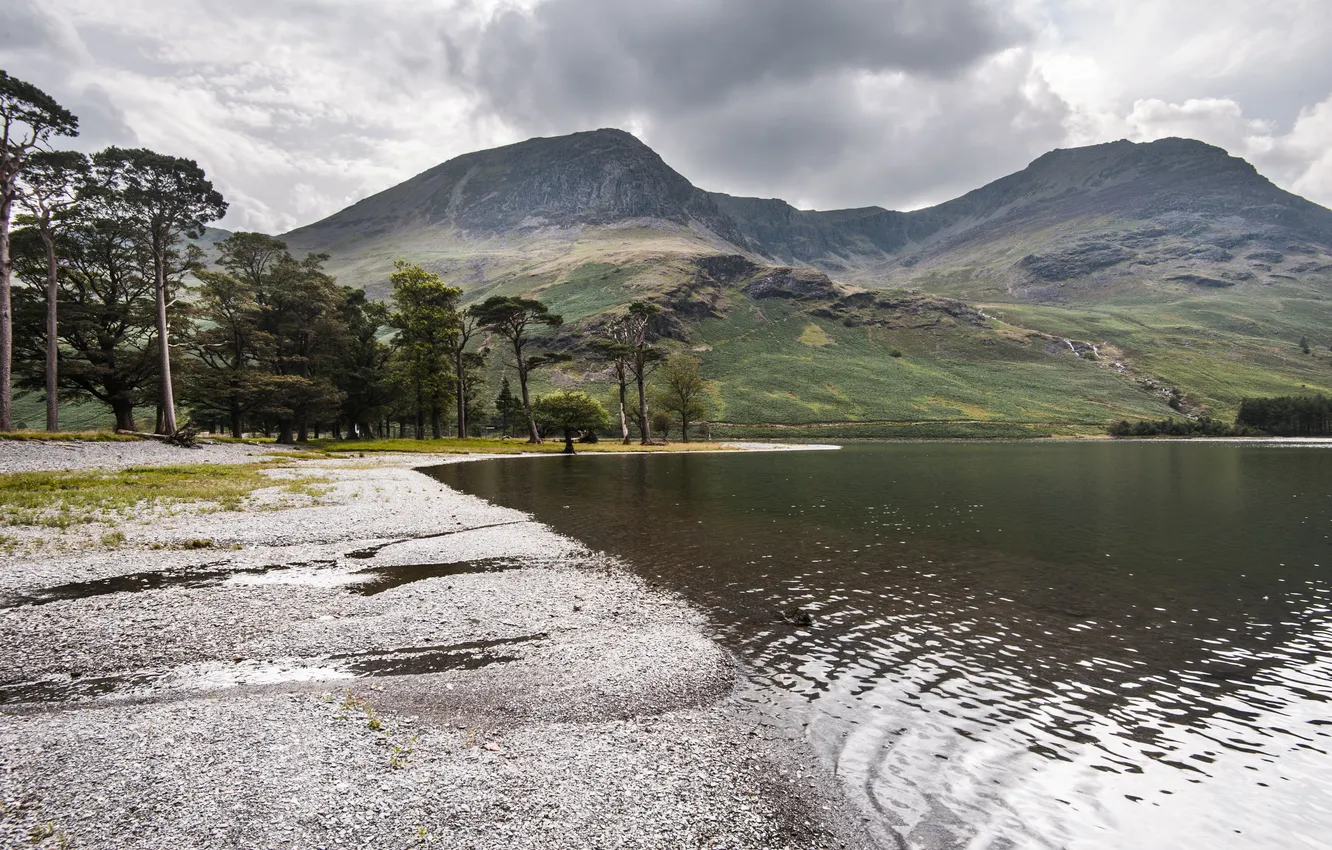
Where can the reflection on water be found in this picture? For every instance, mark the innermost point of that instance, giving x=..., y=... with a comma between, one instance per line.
x=1111, y=644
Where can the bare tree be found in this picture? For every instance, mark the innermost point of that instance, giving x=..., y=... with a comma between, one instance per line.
x=645, y=358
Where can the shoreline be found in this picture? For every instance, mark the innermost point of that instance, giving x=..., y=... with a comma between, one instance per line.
x=399, y=666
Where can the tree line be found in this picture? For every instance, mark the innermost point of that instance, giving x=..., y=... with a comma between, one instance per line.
x=105, y=295
x=1280, y=416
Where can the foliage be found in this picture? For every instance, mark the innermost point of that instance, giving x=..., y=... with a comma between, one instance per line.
x=163, y=200
x=514, y=318
x=682, y=391
x=569, y=411
x=426, y=316
x=29, y=118
x=507, y=408
x=105, y=292
x=1177, y=428
x=1288, y=416
x=278, y=335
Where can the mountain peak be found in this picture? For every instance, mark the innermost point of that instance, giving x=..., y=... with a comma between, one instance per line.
x=588, y=178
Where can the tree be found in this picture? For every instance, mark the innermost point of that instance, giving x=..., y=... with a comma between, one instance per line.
x=570, y=411
x=680, y=390
x=50, y=186
x=165, y=199
x=106, y=314
x=644, y=360
x=661, y=422
x=428, y=328
x=511, y=318
x=507, y=407
x=361, y=370
x=1304, y=344
x=466, y=327
x=228, y=377
x=304, y=333
x=29, y=117
x=618, y=347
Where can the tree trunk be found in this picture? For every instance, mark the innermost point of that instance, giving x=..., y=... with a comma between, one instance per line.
x=462, y=395
x=302, y=430
x=52, y=342
x=420, y=417
x=533, y=436
x=568, y=442
x=684, y=429
x=157, y=424
x=624, y=419
x=435, y=431
x=6, y=320
x=124, y=412
x=164, y=342
x=644, y=427
x=237, y=426
x=284, y=432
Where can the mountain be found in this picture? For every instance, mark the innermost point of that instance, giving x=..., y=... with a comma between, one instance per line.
x=1117, y=280
x=1191, y=206
x=600, y=177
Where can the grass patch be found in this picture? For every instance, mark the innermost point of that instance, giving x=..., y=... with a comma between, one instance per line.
x=63, y=499
x=815, y=336
x=76, y=436
x=490, y=445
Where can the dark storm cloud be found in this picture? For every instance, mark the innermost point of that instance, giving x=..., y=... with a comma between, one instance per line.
x=845, y=101
x=581, y=59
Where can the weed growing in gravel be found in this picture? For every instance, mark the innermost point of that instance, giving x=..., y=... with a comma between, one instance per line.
x=398, y=751
x=112, y=539
x=398, y=757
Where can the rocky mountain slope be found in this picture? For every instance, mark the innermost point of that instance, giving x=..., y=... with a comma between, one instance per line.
x=1115, y=280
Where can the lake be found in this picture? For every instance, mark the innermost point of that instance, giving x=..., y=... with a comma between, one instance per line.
x=1081, y=644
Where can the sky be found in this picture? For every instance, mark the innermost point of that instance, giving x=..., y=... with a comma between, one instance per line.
x=297, y=108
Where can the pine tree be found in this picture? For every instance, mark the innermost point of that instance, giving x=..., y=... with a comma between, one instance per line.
x=507, y=407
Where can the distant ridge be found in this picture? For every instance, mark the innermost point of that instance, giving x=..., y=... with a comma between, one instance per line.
x=1172, y=199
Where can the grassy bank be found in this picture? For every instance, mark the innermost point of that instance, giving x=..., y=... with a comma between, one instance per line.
x=488, y=445
x=937, y=430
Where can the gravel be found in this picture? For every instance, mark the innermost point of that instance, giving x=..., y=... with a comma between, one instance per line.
x=531, y=694
x=38, y=455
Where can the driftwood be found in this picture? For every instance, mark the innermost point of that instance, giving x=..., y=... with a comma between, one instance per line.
x=186, y=437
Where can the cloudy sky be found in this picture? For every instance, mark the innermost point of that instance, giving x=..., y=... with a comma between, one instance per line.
x=296, y=108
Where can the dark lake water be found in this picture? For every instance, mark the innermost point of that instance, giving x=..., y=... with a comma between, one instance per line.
x=1012, y=644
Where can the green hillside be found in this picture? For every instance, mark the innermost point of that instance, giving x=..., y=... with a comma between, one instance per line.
x=1115, y=281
